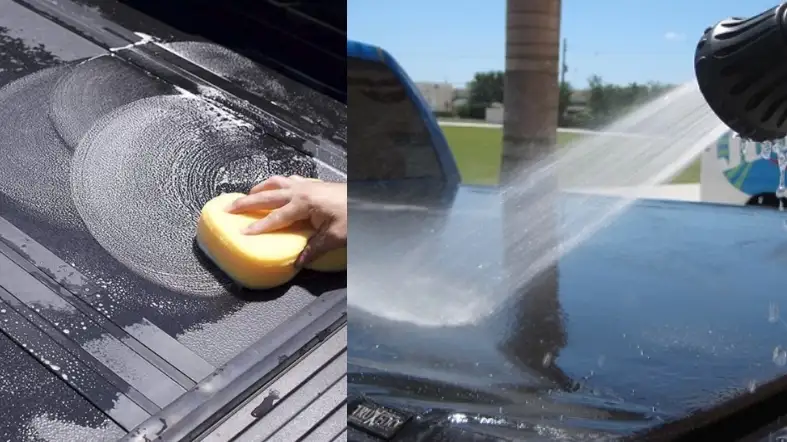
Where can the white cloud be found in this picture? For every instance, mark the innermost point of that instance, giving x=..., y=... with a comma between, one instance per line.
x=673, y=36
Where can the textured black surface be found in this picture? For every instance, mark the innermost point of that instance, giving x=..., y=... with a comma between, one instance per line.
x=222, y=397
x=741, y=69
x=276, y=404
x=69, y=302
x=270, y=33
x=311, y=395
x=173, y=312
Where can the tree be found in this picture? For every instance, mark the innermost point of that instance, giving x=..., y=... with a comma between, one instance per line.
x=486, y=88
x=598, y=99
x=607, y=102
x=564, y=101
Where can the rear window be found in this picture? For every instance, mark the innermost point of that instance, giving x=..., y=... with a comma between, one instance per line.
x=389, y=138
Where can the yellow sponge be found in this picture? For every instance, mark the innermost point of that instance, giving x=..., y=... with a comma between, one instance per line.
x=256, y=261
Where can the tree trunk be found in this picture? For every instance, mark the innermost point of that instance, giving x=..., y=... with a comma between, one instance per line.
x=531, y=100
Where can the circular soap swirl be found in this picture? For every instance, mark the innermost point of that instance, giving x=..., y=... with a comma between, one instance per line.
x=142, y=174
x=93, y=89
x=34, y=161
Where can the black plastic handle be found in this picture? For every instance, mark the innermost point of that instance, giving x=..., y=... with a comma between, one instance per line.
x=741, y=69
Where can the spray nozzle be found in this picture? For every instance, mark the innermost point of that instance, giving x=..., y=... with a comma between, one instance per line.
x=741, y=69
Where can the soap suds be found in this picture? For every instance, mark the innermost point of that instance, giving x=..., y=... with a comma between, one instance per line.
x=35, y=162
x=50, y=428
x=327, y=115
x=91, y=91
x=141, y=176
x=143, y=39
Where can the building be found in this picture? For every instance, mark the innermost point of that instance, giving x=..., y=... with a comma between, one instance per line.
x=440, y=96
x=494, y=113
x=578, y=103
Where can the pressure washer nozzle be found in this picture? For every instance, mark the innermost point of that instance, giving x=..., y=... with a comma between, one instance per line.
x=741, y=69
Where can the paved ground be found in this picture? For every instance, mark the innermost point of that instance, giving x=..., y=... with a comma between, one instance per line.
x=681, y=192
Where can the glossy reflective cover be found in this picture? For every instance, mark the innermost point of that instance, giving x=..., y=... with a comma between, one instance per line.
x=669, y=309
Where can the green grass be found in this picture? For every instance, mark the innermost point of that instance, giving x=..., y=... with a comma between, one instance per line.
x=690, y=175
x=477, y=151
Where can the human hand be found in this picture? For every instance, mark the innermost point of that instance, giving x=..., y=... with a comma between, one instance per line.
x=292, y=199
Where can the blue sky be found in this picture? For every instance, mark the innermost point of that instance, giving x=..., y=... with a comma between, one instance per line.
x=620, y=40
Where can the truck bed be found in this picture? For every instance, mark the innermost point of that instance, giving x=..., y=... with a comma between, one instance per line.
x=95, y=346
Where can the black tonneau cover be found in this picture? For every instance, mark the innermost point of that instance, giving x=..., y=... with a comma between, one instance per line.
x=665, y=324
x=91, y=349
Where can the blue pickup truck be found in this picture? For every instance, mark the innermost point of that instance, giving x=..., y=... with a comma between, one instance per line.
x=663, y=325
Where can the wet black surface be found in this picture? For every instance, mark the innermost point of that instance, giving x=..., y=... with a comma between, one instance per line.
x=670, y=309
x=44, y=408
x=110, y=316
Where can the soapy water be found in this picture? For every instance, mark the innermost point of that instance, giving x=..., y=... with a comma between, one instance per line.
x=219, y=152
x=140, y=194
x=90, y=91
x=35, y=163
x=146, y=176
x=329, y=116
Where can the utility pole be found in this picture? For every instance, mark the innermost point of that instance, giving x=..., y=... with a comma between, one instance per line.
x=564, y=67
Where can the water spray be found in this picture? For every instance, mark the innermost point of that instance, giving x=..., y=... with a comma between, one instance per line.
x=741, y=69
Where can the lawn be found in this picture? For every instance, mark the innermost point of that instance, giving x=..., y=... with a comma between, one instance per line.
x=477, y=152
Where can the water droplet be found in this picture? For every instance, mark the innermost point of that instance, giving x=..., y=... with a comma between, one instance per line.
x=55, y=367
x=781, y=157
x=66, y=331
x=547, y=361
x=765, y=153
x=64, y=376
x=779, y=356
x=773, y=312
x=752, y=386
